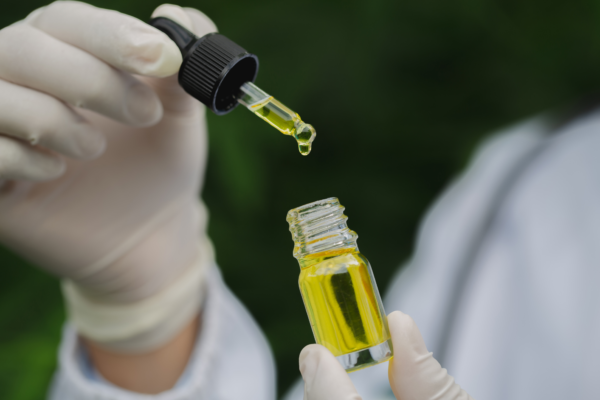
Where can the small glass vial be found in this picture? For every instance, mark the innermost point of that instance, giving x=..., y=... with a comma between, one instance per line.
x=338, y=288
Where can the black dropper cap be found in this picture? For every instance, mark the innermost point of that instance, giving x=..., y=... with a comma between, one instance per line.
x=213, y=67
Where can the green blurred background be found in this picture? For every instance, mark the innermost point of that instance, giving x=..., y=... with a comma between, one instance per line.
x=400, y=93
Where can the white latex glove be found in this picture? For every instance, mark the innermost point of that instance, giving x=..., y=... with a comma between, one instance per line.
x=413, y=372
x=102, y=156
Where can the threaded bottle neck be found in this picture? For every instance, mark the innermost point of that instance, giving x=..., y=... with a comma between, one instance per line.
x=320, y=226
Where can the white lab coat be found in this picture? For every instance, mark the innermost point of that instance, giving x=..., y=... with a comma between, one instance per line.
x=503, y=284
x=518, y=234
x=231, y=359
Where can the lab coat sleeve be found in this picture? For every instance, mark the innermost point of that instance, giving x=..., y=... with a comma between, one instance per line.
x=526, y=326
x=231, y=359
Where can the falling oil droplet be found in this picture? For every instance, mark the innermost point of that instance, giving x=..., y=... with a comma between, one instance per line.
x=304, y=135
x=277, y=115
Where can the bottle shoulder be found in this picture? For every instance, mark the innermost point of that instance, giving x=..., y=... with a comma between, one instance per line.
x=330, y=261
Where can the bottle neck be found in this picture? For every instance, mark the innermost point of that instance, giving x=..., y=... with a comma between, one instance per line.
x=320, y=227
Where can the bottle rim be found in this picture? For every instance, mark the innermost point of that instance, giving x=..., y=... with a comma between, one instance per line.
x=320, y=226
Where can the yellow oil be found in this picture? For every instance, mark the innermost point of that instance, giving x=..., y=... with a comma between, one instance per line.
x=342, y=301
x=287, y=122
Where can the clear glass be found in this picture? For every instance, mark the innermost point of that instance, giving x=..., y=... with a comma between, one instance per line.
x=338, y=287
x=277, y=115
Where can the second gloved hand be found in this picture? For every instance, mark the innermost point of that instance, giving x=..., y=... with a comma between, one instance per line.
x=413, y=372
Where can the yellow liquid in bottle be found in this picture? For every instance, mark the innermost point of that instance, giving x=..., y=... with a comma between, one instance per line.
x=342, y=301
x=287, y=122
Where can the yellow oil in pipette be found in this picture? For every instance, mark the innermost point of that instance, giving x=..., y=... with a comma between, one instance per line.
x=277, y=115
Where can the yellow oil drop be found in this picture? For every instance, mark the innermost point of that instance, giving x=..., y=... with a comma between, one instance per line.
x=278, y=116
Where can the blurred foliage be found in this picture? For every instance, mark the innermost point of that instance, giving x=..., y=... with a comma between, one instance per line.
x=399, y=91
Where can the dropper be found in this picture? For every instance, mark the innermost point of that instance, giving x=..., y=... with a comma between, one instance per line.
x=277, y=115
x=221, y=74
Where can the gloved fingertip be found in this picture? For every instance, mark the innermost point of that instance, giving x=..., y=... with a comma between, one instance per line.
x=53, y=167
x=396, y=314
x=167, y=63
x=42, y=166
x=174, y=13
x=202, y=24
x=32, y=16
x=91, y=143
x=405, y=332
x=308, y=362
x=167, y=58
x=324, y=377
x=143, y=107
x=413, y=372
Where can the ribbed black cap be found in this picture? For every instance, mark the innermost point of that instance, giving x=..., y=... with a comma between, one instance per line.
x=213, y=68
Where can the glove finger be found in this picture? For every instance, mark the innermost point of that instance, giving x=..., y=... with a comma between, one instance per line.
x=21, y=161
x=324, y=377
x=120, y=40
x=174, y=99
x=201, y=24
x=40, y=119
x=189, y=18
x=174, y=13
x=414, y=373
x=31, y=58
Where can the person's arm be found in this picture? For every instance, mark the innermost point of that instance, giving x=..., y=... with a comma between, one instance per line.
x=152, y=372
x=230, y=358
x=102, y=156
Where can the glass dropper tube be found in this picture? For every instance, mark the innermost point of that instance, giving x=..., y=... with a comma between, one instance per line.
x=215, y=82
x=277, y=115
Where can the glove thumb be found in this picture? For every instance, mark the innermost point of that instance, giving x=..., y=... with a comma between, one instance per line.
x=172, y=95
x=189, y=18
x=324, y=377
x=414, y=373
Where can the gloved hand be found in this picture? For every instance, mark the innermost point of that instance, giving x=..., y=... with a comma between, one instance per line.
x=102, y=156
x=413, y=372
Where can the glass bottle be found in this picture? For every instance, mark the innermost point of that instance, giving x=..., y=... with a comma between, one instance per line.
x=338, y=288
